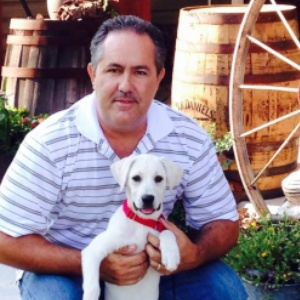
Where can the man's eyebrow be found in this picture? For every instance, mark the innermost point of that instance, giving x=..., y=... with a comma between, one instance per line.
x=142, y=67
x=114, y=65
x=137, y=67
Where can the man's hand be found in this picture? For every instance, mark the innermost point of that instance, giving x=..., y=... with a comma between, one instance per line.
x=188, y=251
x=124, y=267
x=211, y=242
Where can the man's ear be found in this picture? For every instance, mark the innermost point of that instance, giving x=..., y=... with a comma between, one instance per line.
x=161, y=75
x=174, y=172
x=91, y=73
x=121, y=168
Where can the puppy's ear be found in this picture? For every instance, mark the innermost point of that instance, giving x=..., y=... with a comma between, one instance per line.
x=120, y=170
x=174, y=172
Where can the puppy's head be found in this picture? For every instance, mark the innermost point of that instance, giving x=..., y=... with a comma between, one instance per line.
x=146, y=178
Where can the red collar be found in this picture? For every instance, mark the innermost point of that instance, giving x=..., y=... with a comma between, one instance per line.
x=155, y=224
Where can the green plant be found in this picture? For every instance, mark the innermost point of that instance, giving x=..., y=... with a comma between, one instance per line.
x=222, y=145
x=15, y=123
x=268, y=251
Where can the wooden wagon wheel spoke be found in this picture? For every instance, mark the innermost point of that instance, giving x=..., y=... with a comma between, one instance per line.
x=270, y=50
x=276, y=154
x=238, y=86
x=267, y=87
x=286, y=24
x=269, y=123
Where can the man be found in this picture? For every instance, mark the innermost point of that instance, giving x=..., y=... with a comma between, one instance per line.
x=59, y=193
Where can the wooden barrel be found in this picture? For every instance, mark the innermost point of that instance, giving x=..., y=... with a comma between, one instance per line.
x=205, y=42
x=45, y=63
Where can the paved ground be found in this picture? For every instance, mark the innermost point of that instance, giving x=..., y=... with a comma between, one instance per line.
x=8, y=287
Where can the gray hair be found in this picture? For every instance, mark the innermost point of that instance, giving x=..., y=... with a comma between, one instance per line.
x=132, y=23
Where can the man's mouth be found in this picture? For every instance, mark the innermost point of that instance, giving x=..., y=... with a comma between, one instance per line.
x=125, y=101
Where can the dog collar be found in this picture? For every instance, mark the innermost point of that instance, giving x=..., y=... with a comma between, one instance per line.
x=155, y=224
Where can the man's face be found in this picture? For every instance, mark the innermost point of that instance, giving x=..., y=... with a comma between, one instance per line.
x=125, y=81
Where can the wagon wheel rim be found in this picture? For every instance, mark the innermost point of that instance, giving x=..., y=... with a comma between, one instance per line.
x=236, y=102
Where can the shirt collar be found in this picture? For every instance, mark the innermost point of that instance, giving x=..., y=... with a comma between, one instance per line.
x=86, y=119
x=159, y=123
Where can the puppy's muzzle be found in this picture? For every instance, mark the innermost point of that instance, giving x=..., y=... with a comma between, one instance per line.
x=148, y=205
x=148, y=201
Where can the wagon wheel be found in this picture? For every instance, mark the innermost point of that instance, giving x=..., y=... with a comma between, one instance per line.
x=238, y=87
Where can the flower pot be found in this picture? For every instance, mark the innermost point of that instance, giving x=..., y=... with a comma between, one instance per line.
x=52, y=7
x=5, y=160
x=260, y=292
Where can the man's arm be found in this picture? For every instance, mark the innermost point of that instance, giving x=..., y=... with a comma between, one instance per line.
x=34, y=253
x=211, y=242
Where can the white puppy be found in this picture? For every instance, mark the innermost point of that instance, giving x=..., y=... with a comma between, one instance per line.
x=145, y=178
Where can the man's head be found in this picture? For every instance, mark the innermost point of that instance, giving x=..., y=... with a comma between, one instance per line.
x=126, y=70
x=135, y=24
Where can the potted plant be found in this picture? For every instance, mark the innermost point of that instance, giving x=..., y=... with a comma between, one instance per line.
x=267, y=257
x=15, y=123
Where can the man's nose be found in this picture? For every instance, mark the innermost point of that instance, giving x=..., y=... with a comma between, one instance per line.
x=125, y=83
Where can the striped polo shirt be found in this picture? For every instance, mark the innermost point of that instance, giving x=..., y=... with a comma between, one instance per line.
x=60, y=185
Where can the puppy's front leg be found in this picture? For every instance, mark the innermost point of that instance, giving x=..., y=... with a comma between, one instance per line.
x=169, y=250
x=91, y=258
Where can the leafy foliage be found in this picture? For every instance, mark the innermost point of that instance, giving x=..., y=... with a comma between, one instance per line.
x=178, y=216
x=222, y=144
x=15, y=123
x=268, y=252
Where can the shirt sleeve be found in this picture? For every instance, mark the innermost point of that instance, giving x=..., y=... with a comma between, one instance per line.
x=207, y=196
x=29, y=190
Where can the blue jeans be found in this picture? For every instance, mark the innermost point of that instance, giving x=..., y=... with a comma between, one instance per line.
x=214, y=281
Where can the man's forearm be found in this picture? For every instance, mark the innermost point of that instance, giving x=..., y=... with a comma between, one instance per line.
x=34, y=253
x=215, y=239
x=211, y=242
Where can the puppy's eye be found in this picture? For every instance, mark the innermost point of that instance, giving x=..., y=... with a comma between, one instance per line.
x=136, y=178
x=158, y=179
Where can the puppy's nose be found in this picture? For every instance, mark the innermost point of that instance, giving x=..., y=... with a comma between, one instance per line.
x=148, y=200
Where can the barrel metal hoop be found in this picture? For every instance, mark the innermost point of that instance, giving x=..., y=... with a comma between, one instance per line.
x=47, y=40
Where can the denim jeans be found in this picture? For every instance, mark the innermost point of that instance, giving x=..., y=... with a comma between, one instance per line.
x=214, y=281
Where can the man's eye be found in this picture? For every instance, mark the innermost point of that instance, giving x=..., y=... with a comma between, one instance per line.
x=158, y=179
x=142, y=73
x=113, y=70
x=136, y=178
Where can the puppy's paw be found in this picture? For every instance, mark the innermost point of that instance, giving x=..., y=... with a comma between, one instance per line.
x=92, y=293
x=169, y=250
x=171, y=258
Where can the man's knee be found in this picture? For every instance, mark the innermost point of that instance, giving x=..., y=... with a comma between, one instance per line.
x=48, y=287
x=214, y=281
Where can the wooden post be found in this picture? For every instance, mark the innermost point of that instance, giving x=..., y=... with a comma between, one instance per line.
x=140, y=8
